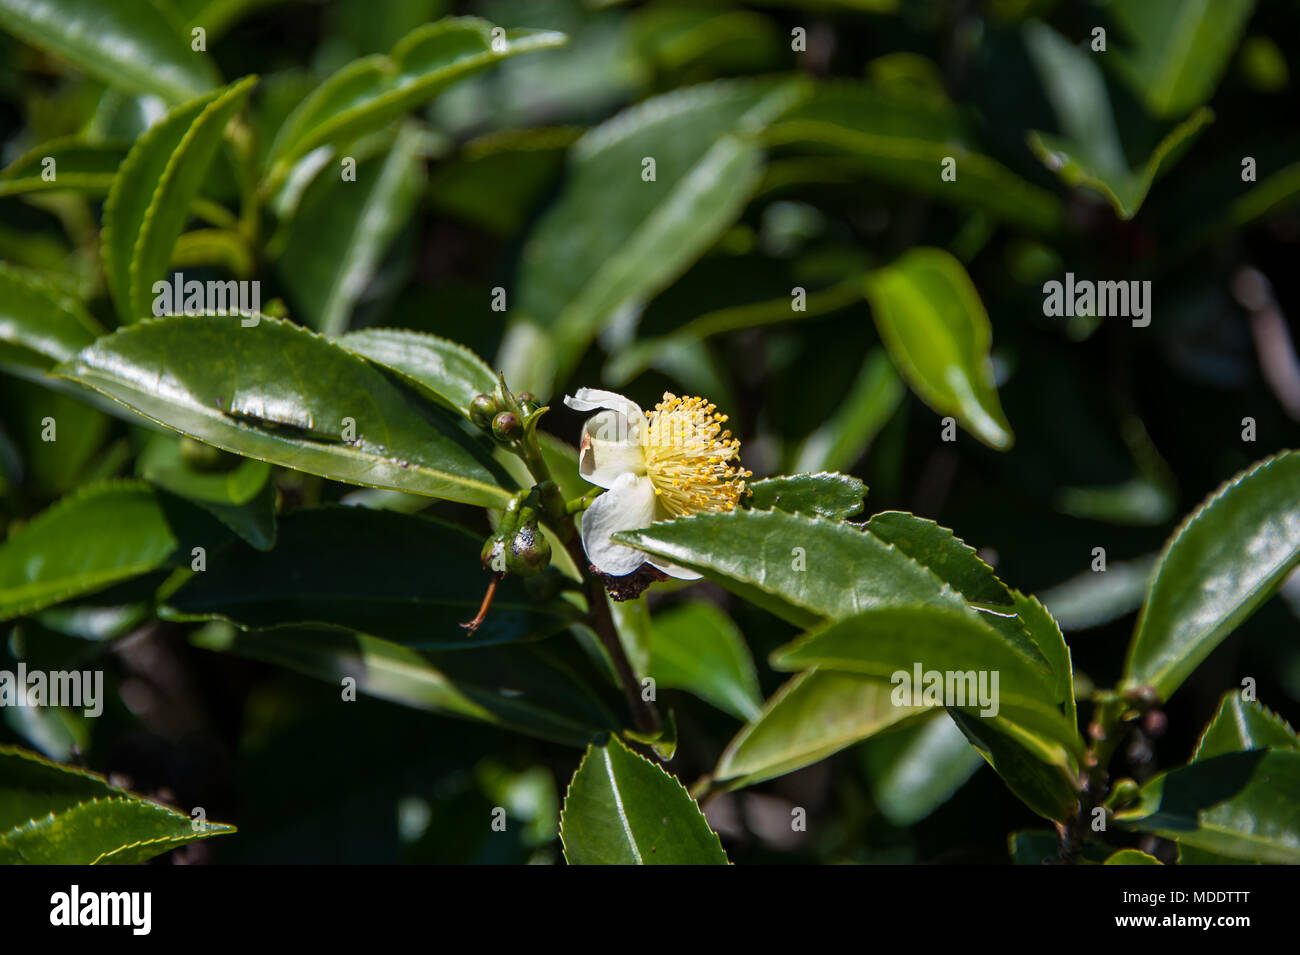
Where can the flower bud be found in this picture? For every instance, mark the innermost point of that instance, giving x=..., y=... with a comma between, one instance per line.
x=507, y=426
x=482, y=410
x=530, y=551
x=495, y=555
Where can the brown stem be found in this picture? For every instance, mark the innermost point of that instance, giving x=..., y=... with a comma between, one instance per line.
x=474, y=624
x=644, y=715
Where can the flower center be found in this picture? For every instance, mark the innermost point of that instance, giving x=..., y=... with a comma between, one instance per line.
x=689, y=457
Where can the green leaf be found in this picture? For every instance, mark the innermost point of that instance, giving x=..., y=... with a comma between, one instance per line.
x=834, y=496
x=803, y=569
x=917, y=768
x=39, y=326
x=242, y=498
x=871, y=402
x=129, y=45
x=58, y=815
x=371, y=92
x=1177, y=51
x=886, y=641
x=98, y=536
x=148, y=204
x=1089, y=153
x=444, y=370
x=696, y=647
x=1038, y=771
x=408, y=579
x=932, y=321
x=280, y=393
x=78, y=165
x=938, y=548
x=1224, y=561
x=578, y=271
x=1240, y=726
x=343, y=229
x=78, y=429
x=904, y=140
x=1132, y=857
x=534, y=688
x=622, y=809
x=813, y=715
x=1091, y=598
x=1240, y=805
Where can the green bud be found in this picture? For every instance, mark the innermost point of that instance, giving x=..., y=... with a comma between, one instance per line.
x=495, y=555
x=507, y=426
x=530, y=551
x=482, y=410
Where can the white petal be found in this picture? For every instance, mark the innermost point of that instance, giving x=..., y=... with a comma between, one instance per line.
x=609, y=448
x=629, y=504
x=590, y=399
x=672, y=570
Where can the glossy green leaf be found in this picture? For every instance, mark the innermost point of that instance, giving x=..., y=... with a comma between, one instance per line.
x=696, y=647
x=939, y=549
x=813, y=715
x=542, y=689
x=935, y=327
x=885, y=641
x=1240, y=805
x=59, y=815
x=622, y=809
x=1174, y=53
x=342, y=230
x=1224, y=561
x=803, y=569
x=904, y=140
x=408, y=579
x=835, y=496
x=39, y=325
x=1132, y=857
x=839, y=442
x=1240, y=726
x=78, y=165
x=280, y=393
x=446, y=371
x=130, y=45
x=371, y=92
x=1038, y=771
x=1088, y=153
x=98, y=536
x=577, y=272
x=242, y=497
x=917, y=768
x=149, y=202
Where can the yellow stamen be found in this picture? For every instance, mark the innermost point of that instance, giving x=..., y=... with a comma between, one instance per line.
x=688, y=457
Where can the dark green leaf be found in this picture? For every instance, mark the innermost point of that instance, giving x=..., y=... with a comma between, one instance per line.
x=1036, y=770
x=1240, y=726
x=1240, y=805
x=1132, y=857
x=1224, y=561
x=57, y=815
x=866, y=409
x=622, y=809
x=696, y=647
x=408, y=579
x=446, y=371
x=835, y=496
x=803, y=569
x=78, y=165
x=40, y=326
x=280, y=393
x=917, y=768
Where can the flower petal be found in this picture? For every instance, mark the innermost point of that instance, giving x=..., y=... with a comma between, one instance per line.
x=629, y=504
x=673, y=570
x=608, y=449
x=591, y=399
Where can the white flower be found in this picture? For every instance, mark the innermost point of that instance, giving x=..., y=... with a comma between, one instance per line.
x=655, y=465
